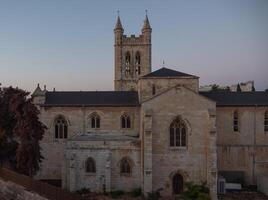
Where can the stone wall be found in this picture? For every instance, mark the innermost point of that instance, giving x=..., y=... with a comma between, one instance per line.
x=9, y=190
x=247, y=149
x=107, y=156
x=145, y=85
x=197, y=161
x=78, y=122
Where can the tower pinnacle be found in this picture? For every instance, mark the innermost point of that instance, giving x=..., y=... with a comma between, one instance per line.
x=118, y=24
x=146, y=24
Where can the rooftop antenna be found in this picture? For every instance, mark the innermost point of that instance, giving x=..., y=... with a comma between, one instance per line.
x=163, y=64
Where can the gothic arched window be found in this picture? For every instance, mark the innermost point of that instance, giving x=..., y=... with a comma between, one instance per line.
x=138, y=63
x=177, y=131
x=90, y=165
x=127, y=63
x=61, y=128
x=125, y=121
x=95, y=120
x=266, y=121
x=235, y=121
x=125, y=166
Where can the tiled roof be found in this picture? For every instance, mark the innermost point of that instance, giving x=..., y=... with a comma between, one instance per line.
x=223, y=98
x=103, y=98
x=165, y=72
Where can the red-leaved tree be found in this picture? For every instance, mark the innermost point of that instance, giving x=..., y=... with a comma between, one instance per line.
x=23, y=128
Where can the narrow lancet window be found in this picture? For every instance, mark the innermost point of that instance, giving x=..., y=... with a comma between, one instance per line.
x=95, y=120
x=177, y=131
x=90, y=165
x=125, y=121
x=235, y=121
x=138, y=63
x=266, y=121
x=125, y=167
x=61, y=128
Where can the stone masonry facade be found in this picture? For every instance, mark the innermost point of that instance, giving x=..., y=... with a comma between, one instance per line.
x=155, y=131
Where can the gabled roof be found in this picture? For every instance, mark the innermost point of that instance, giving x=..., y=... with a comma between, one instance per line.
x=92, y=98
x=225, y=98
x=165, y=72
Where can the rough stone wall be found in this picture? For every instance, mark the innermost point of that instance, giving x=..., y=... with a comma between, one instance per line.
x=9, y=191
x=145, y=85
x=196, y=161
x=78, y=122
x=247, y=149
x=107, y=156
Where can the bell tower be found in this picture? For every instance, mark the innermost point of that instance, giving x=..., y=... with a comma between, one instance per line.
x=132, y=56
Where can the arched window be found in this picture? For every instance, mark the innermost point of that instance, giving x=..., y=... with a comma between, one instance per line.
x=61, y=128
x=125, y=121
x=90, y=165
x=125, y=166
x=235, y=121
x=95, y=120
x=177, y=132
x=153, y=90
x=138, y=63
x=266, y=121
x=127, y=63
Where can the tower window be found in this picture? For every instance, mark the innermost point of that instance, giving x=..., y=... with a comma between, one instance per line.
x=95, y=120
x=61, y=128
x=127, y=63
x=266, y=121
x=235, y=121
x=138, y=63
x=125, y=121
x=177, y=131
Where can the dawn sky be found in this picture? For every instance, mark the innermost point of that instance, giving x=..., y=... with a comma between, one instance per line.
x=68, y=44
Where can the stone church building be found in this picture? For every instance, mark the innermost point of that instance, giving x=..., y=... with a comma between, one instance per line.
x=155, y=130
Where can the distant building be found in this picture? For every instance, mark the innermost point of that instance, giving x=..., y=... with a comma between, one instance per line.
x=155, y=130
x=242, y=87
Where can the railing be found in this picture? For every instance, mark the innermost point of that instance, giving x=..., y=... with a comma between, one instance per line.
x=44, y=189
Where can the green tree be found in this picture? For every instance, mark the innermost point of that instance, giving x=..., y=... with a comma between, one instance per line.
x=238, y=89
x=20, y=131
x=196, y=192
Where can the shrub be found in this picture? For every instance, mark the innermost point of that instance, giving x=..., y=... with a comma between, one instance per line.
x=117, y=193
x=136, y=192
x=195, y=192
x=154, y=195
x=83, y=191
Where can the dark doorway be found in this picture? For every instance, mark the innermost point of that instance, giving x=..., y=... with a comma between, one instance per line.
x=177, y=183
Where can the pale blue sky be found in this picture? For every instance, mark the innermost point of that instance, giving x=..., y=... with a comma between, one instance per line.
x=68, y=44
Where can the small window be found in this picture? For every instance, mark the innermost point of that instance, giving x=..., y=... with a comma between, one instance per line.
x=235, y=122
x=90, y=165
x=153, y=90
x=127, y=64
x=177, y=131
x=125, y=121
x=95, y=121
x=125, y=167
x=266, y=121
x=61, y=128
x=138, y=63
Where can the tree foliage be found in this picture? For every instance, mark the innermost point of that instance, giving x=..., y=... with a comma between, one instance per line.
x=20, y=131
x=196, y=192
